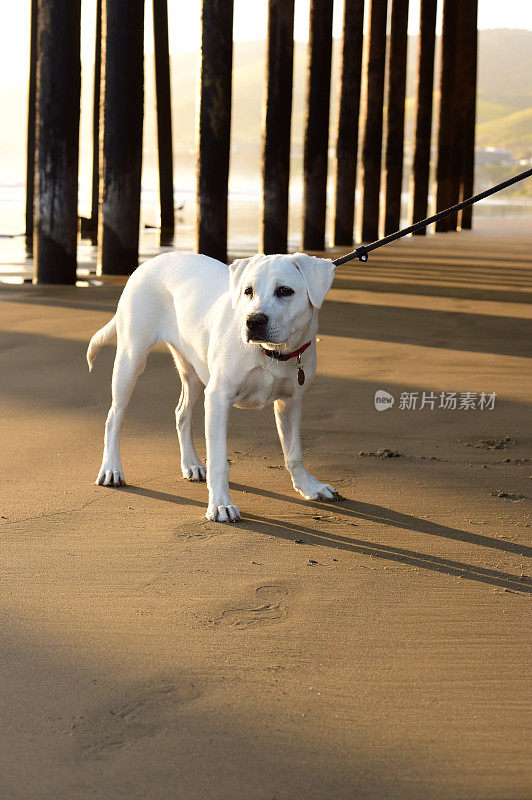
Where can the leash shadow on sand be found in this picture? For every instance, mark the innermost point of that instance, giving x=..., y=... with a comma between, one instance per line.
x=293, y=531
x=289, y=530
x=396, y=519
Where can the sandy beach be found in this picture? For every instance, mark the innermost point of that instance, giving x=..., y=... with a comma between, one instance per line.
x=371, y=648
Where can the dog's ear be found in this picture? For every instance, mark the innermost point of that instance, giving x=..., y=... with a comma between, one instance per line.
x=236, y=273
x=318, y=274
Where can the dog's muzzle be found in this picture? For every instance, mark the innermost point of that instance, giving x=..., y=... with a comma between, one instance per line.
x=256, y=327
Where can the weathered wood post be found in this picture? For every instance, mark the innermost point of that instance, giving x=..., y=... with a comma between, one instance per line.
x=96, y=116
x=122, y=90
x=396, y=116
x=89, y=226
x=459, y=108
x=30, y=144
x=423, y=128
x=214, y=131
x=372, y=144
x=57, y=139
x=469, y=88
x=347, y=136
x=449, y=161
x=277, y=115
x=164, y=116
x=315, y=159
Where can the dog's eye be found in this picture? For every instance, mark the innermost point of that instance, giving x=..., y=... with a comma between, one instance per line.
x=283, y=291
x=248, y=291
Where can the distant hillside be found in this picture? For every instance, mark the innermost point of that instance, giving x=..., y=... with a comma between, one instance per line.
x=504, y=88
x=505, y=68
x=512, y=131
x=504, y=105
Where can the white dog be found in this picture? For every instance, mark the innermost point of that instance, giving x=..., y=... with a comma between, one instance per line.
x=246, y=334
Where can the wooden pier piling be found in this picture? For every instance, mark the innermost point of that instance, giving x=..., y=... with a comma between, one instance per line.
x=57, y=141
x=53, y=126
x=396, y=116
x=164, y=117
x=347, y=136
x=459, y=114
x=448, y=159
x=469, y=40
x=89, y=226
x=423, y=127
x=276, y=127
x=30, y=142
x=214, y=130
x=95, y=195
x=122, y=89
x=315, y=159
x=372, y=144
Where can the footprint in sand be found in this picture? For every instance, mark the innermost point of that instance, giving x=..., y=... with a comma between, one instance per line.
x=199, y=530
x=267, y=607
x=146, y=712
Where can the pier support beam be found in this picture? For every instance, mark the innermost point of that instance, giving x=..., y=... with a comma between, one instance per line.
x=460, y=100
x=57, y=140
x=96, y=117
x=347, y=137
x=214, y=132
x=122, y=90
x=89, y=226
x=95, y=199
x=315, y=160
x=396, y=116
x=448, y=167
x=30, y=143
x=469, y=88
x=372, y=145
x=423, y=128
x=276, y=127
x=164, y=117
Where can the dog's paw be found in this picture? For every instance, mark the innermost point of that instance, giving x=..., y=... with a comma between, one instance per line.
x=312, y=489
x=110, y=476
x=223, y=513
x=194, y=472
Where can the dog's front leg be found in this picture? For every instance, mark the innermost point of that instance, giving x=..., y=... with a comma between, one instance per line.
x=221, y=508
x=288, y=419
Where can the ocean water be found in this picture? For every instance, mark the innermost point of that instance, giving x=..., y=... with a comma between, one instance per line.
x=16, y=265
x=243, y=234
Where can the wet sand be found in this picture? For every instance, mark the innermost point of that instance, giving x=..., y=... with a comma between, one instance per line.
x=371, y=648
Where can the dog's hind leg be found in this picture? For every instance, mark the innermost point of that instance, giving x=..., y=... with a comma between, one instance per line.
x=129, y=365
x=191, y=390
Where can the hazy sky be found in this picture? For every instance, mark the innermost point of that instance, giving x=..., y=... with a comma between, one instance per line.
x=250, y=24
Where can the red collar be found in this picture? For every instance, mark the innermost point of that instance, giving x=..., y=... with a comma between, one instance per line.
x=285, y=356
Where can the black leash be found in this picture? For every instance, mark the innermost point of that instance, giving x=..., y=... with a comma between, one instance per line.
x=362, y=252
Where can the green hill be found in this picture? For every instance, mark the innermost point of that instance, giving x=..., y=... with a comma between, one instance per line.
x=504, y=86
x=504, y=109
x=513, y=132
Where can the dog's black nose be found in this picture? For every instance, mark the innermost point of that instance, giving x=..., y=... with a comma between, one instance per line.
x=256, y=321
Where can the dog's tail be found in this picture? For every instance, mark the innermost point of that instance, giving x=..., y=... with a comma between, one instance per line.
x=100, y=338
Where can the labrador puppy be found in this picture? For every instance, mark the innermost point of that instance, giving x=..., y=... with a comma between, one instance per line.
x=245, y=335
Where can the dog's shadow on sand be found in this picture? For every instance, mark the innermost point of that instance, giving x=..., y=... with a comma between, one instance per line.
x=354, y=510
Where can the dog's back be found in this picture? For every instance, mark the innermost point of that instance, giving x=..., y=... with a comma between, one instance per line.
x=171, y=298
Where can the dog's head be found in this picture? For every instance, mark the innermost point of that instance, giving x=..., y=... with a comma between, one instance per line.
x=276, y=297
